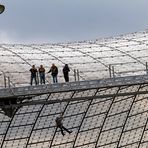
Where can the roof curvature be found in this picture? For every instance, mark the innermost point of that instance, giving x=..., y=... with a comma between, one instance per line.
x=111, y=121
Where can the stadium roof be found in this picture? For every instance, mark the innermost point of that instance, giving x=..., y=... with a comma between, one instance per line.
x=111, y=121
x=127, y=54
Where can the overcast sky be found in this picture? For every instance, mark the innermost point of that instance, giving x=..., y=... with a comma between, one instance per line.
x=39, y=21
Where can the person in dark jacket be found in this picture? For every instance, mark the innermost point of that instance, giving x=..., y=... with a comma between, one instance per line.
x=66, y=73
x=54, y=73
x=33, y=71
x=59, y=124
x=42, y=74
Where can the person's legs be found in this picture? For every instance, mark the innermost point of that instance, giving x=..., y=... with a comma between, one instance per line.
x=31, y=80
x=53, y=79
x=43, y=78
x=35, y=80
x=61, y=130
x=66, y=78
x=56, y=80
x=66, y=130
x=40, y=79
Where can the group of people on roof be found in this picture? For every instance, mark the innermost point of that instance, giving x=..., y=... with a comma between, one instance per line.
x=53, y=70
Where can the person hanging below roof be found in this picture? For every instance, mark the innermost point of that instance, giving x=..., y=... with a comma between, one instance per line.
x=42, y=74
x=66, y=73
x=59, y=124
x=33, y=71
x=54, y=73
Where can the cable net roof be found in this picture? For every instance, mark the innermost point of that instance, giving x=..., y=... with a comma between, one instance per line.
x=120, y=121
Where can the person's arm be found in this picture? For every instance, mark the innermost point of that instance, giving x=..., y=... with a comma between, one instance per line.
x=49, y=71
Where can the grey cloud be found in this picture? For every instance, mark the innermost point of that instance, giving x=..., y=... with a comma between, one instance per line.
x=67, y=20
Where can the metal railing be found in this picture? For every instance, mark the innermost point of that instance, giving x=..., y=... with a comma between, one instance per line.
x=7, y=83
x=112, y=73
x=73, y=86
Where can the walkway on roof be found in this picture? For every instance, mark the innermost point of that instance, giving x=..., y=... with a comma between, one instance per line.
x=29, y=91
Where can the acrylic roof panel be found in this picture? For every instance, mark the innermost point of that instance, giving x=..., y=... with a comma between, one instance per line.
x=102, y=123
x=110, y=122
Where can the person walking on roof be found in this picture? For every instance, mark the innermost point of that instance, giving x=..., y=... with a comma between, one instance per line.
x=42, y=74
x=54, y=73
x=59, y=124
x=33, y=71
x=66, y=73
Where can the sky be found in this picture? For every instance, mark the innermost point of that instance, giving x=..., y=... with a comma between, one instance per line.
x=53, y=21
